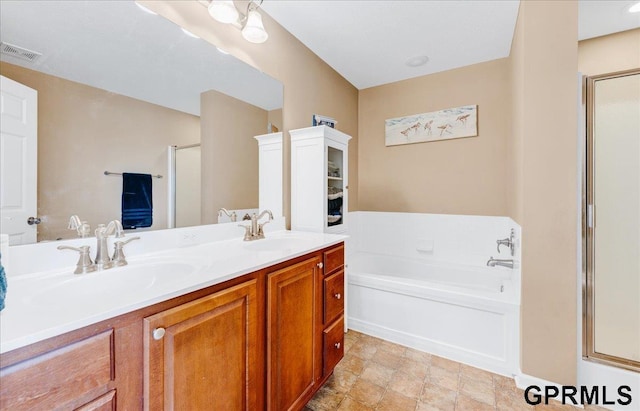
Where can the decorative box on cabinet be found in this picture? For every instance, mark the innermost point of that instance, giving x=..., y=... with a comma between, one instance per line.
x=319, y=179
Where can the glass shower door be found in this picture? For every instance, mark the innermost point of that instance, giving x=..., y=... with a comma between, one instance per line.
x=613, y=219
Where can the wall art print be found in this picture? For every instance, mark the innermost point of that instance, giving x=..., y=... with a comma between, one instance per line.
x=438, y=125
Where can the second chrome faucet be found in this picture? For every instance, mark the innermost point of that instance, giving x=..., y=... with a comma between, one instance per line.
x=255, y=230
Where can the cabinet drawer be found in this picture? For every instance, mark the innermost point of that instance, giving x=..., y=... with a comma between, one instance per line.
x=60, y=376
x=333, y=296
x=333, y=338
x=106, y=402
x=333, y=259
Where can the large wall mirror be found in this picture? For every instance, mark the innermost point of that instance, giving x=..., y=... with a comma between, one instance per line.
x=116, y=87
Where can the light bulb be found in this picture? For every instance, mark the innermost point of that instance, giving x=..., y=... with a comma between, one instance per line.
x=253, y=30
x=223, y=11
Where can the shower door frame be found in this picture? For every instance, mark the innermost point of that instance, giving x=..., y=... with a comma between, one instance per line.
x=588, y=234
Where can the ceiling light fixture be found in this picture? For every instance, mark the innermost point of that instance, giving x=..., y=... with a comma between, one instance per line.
x=249, y=23
x=635, y=8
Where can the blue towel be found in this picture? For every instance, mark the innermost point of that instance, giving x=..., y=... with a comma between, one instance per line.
x=137, y=203
x=3, y=284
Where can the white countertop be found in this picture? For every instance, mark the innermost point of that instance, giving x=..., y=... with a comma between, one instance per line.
x=44, y=304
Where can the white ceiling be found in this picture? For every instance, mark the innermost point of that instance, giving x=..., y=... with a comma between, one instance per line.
x=368, y=42
x=598, y=18
x=114, y=45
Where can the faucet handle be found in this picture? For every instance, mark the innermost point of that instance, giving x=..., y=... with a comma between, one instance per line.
x=84, y=264
x=504, y=242
x=509, y=242
x=247, y=231
x=118, y=258
x=260, y=230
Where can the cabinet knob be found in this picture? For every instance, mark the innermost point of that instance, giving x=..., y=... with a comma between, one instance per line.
x=158, y=333
x=320, y=265
x=337, y=296
x=337, y=345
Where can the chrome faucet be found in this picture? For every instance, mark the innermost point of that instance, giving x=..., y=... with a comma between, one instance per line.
x=82, y=227
x=103, y=261
x=503, y=263
x=255, y=230
x=233, y=216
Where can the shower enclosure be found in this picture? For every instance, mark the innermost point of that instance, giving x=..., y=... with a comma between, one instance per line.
x=611, y=324
x=184, y=186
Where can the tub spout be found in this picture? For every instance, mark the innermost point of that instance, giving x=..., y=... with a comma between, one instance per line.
x=503, y=263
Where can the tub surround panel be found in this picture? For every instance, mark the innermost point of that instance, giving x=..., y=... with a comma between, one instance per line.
x=459, y=239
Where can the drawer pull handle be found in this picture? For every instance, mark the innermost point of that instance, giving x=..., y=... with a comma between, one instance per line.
x=158, y=333
x=337, y=345
x=337, y=296
x=320, y=265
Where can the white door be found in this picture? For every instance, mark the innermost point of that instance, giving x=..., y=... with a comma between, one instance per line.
x=18, y=161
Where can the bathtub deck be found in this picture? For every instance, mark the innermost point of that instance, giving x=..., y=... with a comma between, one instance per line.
x=379, y=375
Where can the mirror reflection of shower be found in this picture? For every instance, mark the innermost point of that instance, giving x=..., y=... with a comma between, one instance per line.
x=184, y=186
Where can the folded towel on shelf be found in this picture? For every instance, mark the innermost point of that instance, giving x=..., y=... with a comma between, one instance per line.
x=334, y=206
x=334, y=219
x=137, y=203
x=334, y=192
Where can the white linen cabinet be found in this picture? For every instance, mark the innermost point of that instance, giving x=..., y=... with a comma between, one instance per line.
x=319, y=179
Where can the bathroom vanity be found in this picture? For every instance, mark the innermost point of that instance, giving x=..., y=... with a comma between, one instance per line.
x=261, y=330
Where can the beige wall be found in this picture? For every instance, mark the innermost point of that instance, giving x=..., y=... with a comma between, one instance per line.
x=275, y=118
x=545, y=91
x=609, y=54
x=460, y=176
x=228, y=128
x=310, y=85
x=83, y=131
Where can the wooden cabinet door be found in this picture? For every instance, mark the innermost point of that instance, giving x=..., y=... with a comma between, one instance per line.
x=293, y=347
x=202, y=355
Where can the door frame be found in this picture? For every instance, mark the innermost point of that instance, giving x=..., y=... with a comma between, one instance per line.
x=588, y=234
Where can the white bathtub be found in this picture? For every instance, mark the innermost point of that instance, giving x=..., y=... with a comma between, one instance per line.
x=466, y=313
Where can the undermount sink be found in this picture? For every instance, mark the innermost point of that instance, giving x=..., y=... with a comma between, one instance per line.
x=113, y=283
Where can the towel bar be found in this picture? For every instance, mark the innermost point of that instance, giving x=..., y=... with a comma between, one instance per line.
x=109, y=173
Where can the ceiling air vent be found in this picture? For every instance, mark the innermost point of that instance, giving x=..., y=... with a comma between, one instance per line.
x=19, y=52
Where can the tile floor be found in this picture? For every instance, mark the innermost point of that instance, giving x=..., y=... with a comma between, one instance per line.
x=378, y=375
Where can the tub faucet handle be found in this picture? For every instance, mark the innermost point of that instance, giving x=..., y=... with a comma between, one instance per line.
x=509, y=242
